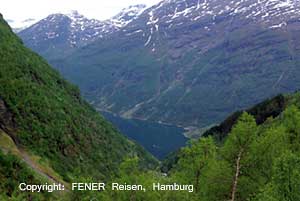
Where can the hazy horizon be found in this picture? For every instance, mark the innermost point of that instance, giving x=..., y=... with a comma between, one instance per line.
x=16, y=12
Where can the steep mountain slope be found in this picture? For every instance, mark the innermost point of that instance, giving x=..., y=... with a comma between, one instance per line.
x=45, y=116
x=192, y=62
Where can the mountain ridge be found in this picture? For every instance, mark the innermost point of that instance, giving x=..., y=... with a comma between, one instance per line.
x=60, y=33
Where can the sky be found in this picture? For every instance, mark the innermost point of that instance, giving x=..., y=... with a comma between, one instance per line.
x=19, y=10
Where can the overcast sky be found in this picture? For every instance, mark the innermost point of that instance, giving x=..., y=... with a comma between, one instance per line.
x=19, y=10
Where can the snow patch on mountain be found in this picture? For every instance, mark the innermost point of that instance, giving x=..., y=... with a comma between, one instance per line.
x=127, y=15
x=266, y=11
x=278, y=25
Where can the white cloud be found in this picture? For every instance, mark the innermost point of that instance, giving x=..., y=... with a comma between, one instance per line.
x=19, y=10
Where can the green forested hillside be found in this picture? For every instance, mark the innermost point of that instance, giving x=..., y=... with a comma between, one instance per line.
x=255, y=163
x=269, y=108
x=46, y=117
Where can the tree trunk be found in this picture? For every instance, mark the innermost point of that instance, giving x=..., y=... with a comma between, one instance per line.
x=237, y=174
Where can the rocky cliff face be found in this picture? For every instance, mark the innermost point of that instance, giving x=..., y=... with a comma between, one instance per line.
x=7, y=121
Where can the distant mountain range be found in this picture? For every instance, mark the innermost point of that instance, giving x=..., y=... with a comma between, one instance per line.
x=183, y=62
x=59, y=34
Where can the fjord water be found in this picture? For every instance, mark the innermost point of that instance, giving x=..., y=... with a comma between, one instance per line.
x=158, y=139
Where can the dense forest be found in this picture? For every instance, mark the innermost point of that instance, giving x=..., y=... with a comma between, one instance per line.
x=44, y=118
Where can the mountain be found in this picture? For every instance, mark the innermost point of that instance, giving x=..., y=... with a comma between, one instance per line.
x=45, y=123
x=191, y=63
x=59, y=34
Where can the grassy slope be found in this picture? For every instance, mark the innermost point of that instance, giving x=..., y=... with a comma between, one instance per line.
x=19, y=166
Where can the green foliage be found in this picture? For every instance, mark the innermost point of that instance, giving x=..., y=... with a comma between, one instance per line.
x=272, y=142
x=240, y=138
x=193, y=160
x=267, y=194
x=216, y=181
x=287, y=177
x=12, y=172
x=285, y=183
x=292, y=123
